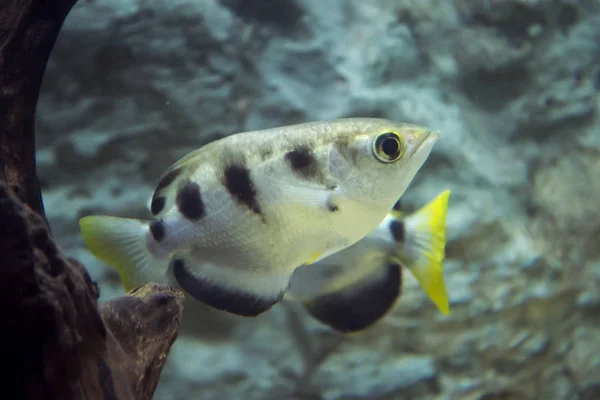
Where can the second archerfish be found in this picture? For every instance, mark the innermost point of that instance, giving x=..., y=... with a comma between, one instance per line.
x=235, y=218
x=357, y=286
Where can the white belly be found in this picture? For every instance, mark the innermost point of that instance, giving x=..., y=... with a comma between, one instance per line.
x=287, y=238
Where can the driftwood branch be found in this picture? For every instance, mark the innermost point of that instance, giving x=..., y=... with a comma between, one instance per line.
x=58, y=343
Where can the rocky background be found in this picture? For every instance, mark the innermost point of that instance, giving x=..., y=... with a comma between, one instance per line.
x=513, y=87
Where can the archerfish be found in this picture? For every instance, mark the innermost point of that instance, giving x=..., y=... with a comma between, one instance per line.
x=354, y=288
x=233, y=219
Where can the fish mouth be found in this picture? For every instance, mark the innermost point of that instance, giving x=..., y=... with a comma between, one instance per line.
x=426, y=139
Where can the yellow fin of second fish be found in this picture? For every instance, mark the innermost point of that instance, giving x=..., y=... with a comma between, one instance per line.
x=119, y=242
x=429, y=227
x=314, y=258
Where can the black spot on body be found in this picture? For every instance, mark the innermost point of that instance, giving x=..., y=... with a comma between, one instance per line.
x=189, y=202
x=332, y=207
x=360, y=305
x=397, y=206
x=157, y=205
x=158, y=202
x=224, y=298
x=344, y=141
x=239, y=184
x=397, y=229
x=303, y=162
x=157, y=229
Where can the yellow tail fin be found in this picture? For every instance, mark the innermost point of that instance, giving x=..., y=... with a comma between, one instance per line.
x=121, y=243
x=423, y=250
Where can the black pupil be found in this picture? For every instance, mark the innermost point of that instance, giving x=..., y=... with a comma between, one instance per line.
x=390, y=146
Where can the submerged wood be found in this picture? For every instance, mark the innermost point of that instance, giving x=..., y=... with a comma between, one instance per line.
x=58, y=342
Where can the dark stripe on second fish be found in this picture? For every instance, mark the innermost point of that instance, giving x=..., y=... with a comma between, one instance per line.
x=189, y=202
x=237, y=181
x=397, y=228
x=224, y=298
x=303, y=162
x=360, y=305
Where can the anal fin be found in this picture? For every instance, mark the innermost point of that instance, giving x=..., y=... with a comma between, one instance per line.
x=358, y=305
x=229, y=289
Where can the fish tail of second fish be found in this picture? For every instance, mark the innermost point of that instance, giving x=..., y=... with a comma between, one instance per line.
x=421, y=238
x=121, y=243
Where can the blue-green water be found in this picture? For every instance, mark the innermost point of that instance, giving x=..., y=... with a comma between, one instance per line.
x=511, y=85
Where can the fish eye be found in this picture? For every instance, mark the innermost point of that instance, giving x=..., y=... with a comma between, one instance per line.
x=388, y=147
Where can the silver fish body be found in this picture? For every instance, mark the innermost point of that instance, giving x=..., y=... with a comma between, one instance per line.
x=235, y=218
x=355, y=287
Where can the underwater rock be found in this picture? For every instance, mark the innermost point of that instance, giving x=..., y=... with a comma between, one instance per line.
x=559, y=385
x=564, y=187
x=583, y=359
x=366, y=375
x=63, y=343
x=58, y=341
x=590, y=392
x=283, y=16
x=203, y=363
x=589, y=302
x=563, y=89
x=503, y=395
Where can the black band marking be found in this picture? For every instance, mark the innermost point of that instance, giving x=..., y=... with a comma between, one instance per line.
x=358, y=306
x=303, y=162
x=397, y=229
x=239, y=184
x=167, y=179
x=189, y=202
x=158, y=203
x=224, y=298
